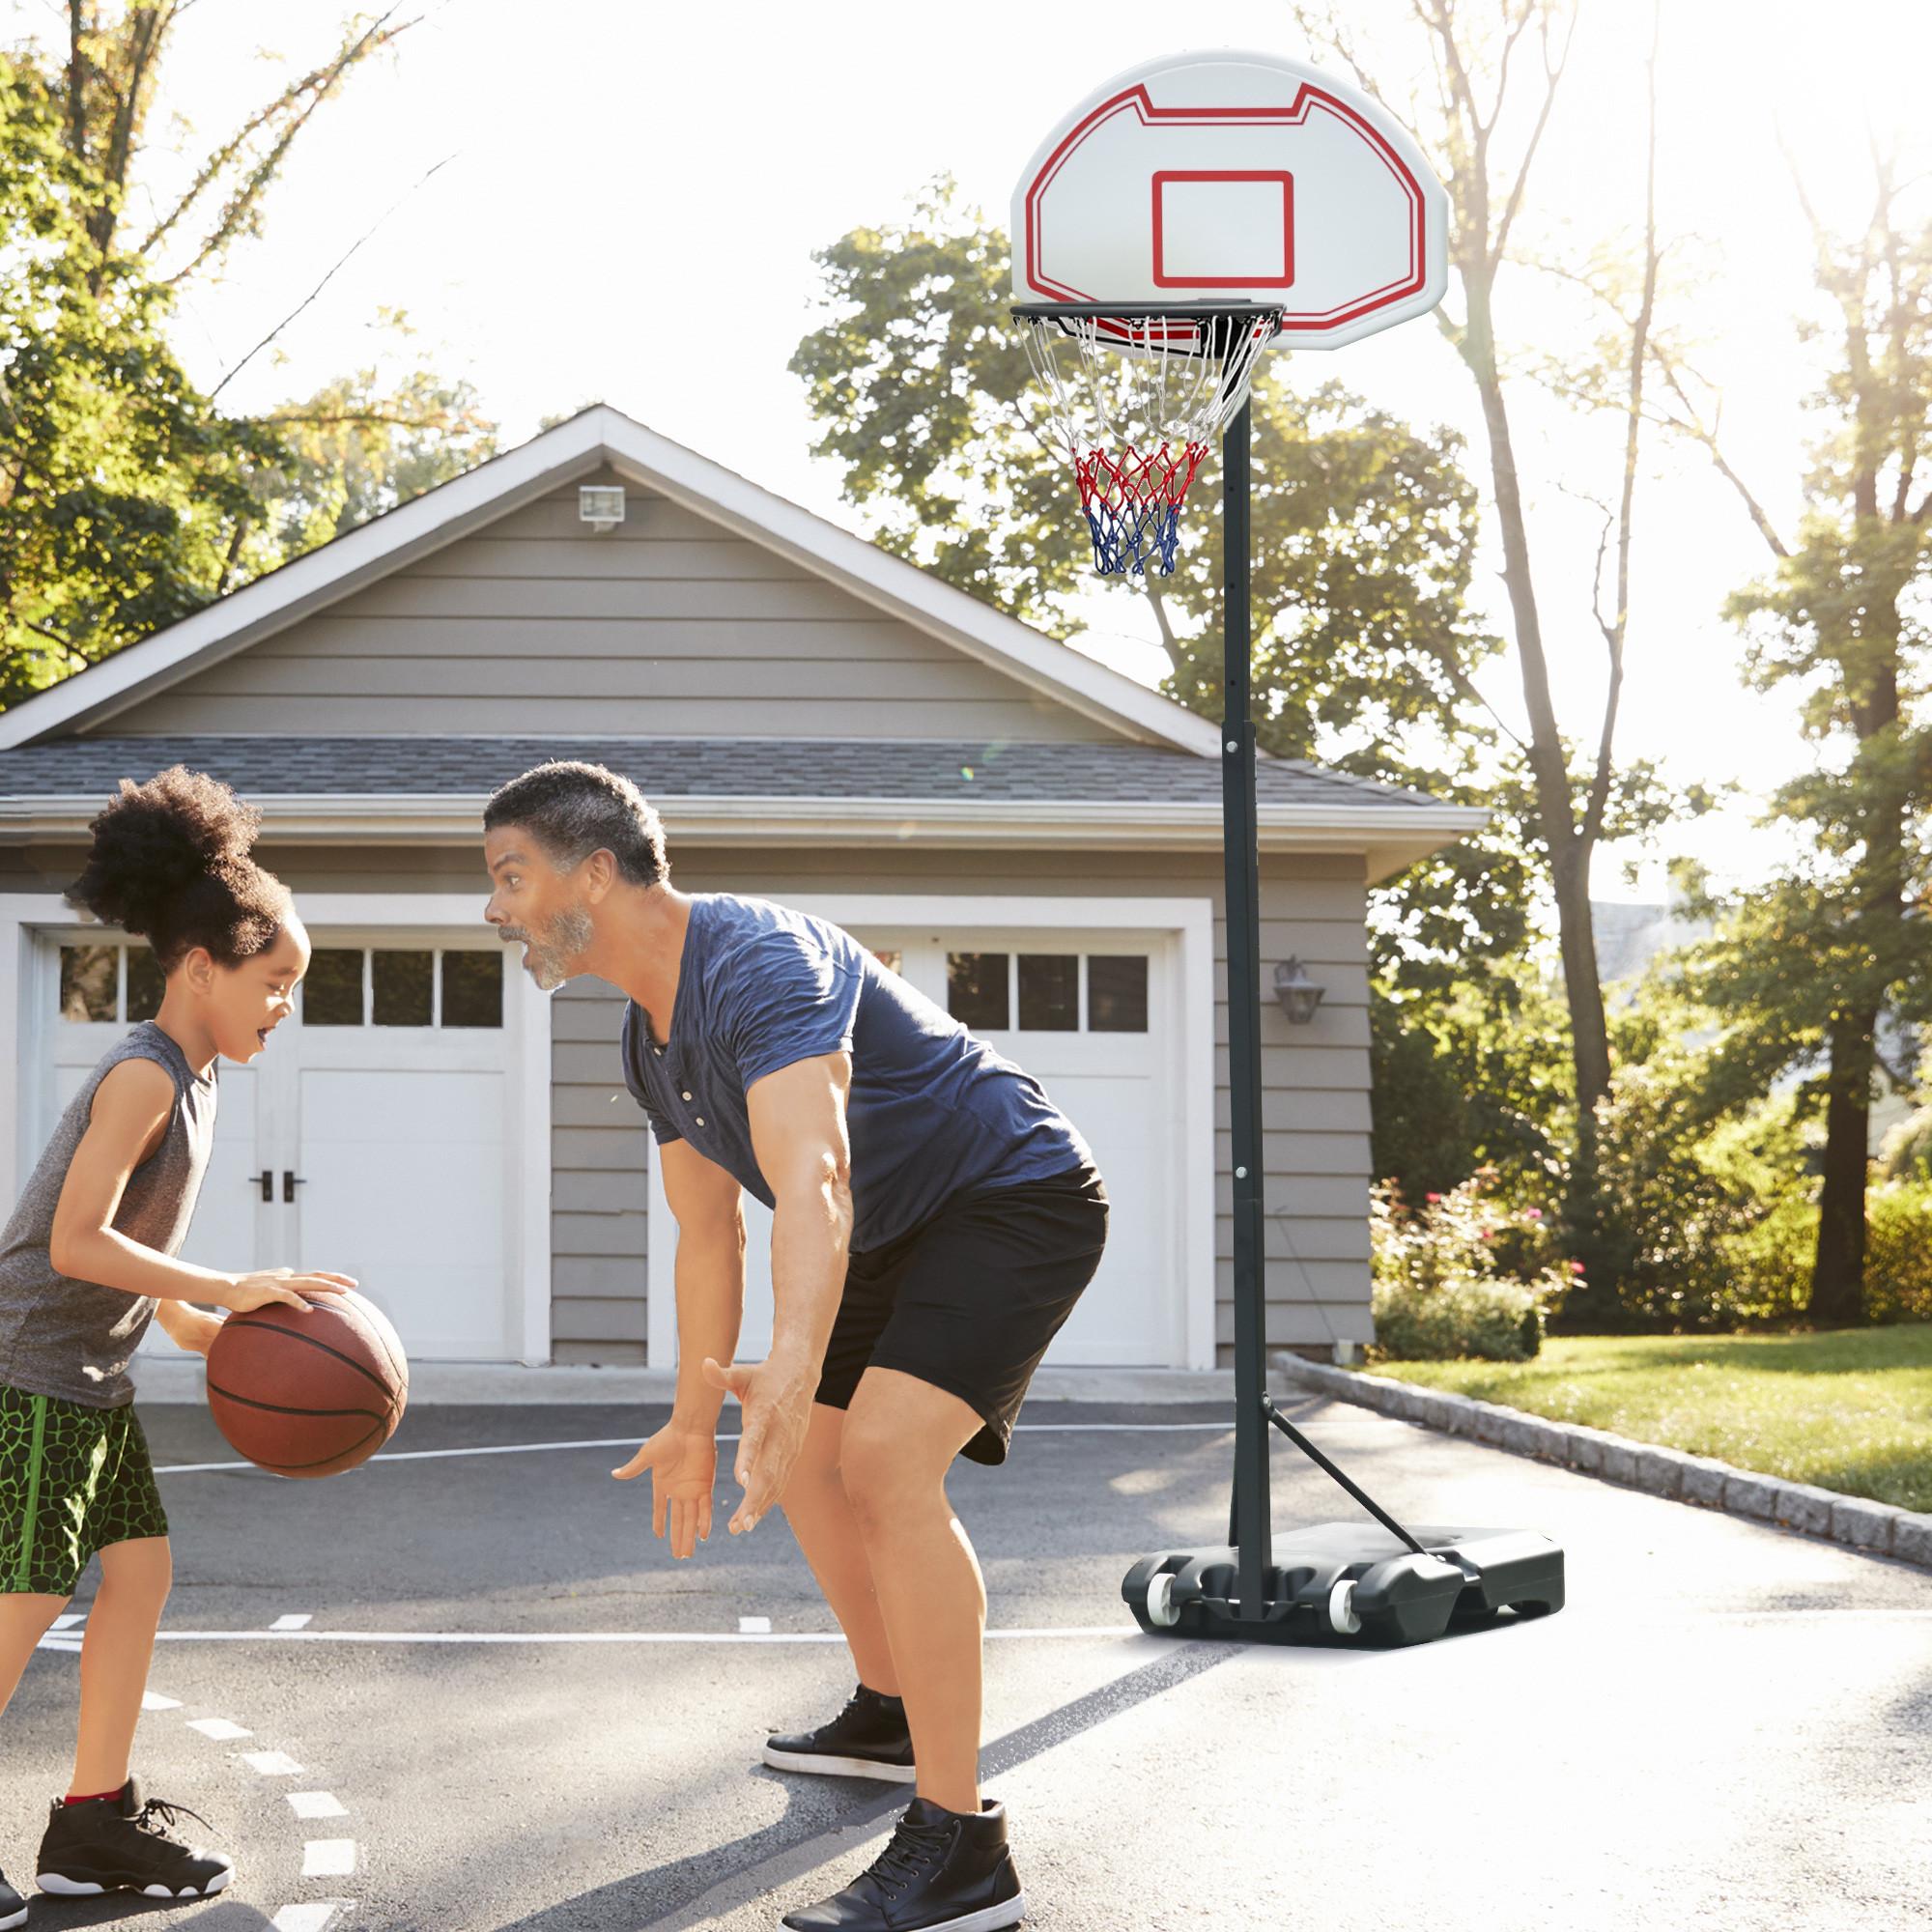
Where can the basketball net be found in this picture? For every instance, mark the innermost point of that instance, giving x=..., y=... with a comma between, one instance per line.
x=1136, y=402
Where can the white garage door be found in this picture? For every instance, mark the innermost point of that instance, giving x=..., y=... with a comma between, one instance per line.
x=1090, y=1015
x=374, y=1138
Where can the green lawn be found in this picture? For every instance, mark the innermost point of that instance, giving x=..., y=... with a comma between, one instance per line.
x=1850, y=1410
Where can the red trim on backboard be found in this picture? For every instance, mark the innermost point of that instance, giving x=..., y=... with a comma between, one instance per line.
x=1286, y=279
x=1136, y=99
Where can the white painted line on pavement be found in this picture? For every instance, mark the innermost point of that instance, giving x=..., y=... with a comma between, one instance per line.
x=586, y=1636
x=317, y=1804
x=313, y=1916
x=328, y=1858
x=271, y=1764
x=755, y=1625
x=152, y=1700
x=218, y=1728
x=68, y=1620
x=630, y=1443
x=294, y=1622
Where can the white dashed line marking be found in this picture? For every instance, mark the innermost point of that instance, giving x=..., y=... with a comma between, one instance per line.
x=328, y=1858
x=152, y=1700
x=755, y=1625
x=68, y=1620
x=218, y=1728
x=314, y=1917
x=317, y=1804
x=297, y=1620
x=271, y=1764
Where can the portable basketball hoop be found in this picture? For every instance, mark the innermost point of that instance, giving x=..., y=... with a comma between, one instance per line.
x=1178, y=221
x=1136, y=401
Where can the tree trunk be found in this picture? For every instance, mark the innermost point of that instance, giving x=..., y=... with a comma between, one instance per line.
x=1838, y=1268
x=1569, y=851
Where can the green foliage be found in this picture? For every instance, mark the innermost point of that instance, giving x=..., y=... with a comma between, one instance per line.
x=120, y=484
x=1463, y=1275
x=1474, y=1073
x=1898, y=1260
x=129, y=498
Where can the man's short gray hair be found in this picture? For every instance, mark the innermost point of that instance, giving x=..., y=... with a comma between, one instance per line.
x=573, y=810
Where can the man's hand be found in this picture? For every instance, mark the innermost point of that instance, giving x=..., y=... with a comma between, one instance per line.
x=776, y=1398
x=266, y=1284
x=193, y=1330
x=683, y=1462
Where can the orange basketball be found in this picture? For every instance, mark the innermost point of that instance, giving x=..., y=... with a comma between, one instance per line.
x=308, y=1395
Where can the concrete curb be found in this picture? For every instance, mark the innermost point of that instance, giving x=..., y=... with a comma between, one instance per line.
x=1855, y=1521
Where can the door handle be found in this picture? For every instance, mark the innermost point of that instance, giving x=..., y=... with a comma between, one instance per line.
x=266, y=1184
x=290, y=1181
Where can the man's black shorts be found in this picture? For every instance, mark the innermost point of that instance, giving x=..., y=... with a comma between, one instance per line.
x=969, y=1300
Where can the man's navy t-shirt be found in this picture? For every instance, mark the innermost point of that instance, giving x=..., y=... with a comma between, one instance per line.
x=932, y=1111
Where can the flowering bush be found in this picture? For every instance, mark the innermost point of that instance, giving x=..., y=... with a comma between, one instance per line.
x=1463, y=1275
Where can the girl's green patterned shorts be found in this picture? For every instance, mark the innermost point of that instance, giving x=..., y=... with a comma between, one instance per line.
x=72, y=1480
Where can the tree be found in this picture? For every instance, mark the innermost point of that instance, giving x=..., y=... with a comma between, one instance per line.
x=1486, y=138
x=1811, y=961
x=120, y=483
x=131, y=498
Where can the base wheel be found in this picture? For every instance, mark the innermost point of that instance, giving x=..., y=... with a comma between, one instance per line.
x=1341, y=1617
x=1161, y=1609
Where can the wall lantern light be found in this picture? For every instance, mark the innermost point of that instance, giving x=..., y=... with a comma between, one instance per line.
x=601, y=505
x=1297, y=993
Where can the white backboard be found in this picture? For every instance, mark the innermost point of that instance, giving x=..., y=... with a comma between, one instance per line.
x=1234, y=176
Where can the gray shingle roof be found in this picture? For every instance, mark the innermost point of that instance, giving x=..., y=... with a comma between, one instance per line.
x=859, y=768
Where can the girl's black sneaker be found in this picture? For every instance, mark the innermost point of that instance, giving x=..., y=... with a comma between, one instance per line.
x=12, y=1907
x=867, y=1739
x=944, y=1871
x=126, y=1843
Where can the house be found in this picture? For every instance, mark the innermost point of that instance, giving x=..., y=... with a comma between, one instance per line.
x=1028, y=835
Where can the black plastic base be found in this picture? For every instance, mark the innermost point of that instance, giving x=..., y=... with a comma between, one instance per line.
x=1351, y=1583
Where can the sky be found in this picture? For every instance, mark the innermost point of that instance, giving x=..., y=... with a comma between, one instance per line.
x=629, y=196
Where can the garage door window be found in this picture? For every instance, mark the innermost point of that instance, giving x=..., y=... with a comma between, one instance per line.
x=108, y=983
x=984, y=990
x=403, y=986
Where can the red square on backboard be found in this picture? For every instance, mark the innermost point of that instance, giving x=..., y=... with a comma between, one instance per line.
x=1279, y=276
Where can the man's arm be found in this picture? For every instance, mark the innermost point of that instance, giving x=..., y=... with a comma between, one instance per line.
x=682, y=1456
x=710, y=1274
x=798, y=1134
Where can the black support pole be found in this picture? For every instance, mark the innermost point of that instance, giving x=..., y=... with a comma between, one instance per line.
x=1250, y=1510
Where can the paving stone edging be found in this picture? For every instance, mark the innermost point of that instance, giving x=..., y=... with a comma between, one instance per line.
x=1856, y=1522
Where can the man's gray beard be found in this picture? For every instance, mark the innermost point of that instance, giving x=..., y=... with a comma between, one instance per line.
x=565, y=940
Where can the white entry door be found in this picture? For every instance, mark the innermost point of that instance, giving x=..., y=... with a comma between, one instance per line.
x=377, y=1136
x=1089, y=1014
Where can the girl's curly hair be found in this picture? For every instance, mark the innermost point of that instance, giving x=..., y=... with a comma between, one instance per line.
x=171, y=863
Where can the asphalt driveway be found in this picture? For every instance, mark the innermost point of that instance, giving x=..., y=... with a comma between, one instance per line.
x=478, y=1697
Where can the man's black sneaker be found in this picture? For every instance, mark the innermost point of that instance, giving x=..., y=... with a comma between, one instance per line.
x=126, y=1843
x=867, y=1739
x=943, y=1873
x=12, y=1907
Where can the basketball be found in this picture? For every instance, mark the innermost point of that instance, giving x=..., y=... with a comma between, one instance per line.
x=308, y=1395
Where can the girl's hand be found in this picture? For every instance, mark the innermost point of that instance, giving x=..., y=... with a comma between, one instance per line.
x=266, y=1285
x=197, y=1335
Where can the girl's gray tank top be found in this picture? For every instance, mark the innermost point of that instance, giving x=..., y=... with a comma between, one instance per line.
x=72, y=1339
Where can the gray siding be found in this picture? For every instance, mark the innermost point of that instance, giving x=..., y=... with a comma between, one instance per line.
x=1315, y=1085
x=665, y=626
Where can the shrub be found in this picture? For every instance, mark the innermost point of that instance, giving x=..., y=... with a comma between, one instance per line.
x=1463, y=1275
x=1899, y=1251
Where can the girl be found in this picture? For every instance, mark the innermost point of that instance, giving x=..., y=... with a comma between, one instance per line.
x=87, y=1260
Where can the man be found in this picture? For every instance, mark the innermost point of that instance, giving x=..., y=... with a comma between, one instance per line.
x=934, y=1220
